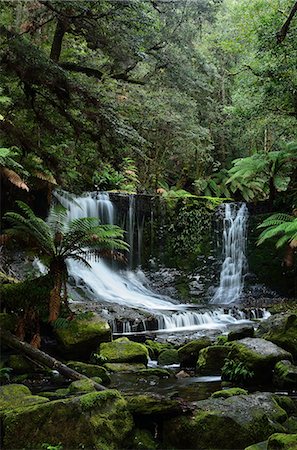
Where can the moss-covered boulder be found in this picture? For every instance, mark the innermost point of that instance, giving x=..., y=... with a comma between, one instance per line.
x=230, y=423
x=155, y=348
x=21, y=365
x=96, y=420
x=258, y=356
x=141, y=440
x=241, y=332
x=90, y=370
x=17, y=395
x=259, y=446
x=211, y=360
x=285, y=375
x=79, y=386
x=153, y=405
x=123, y=350
x=291, y=425
x=82, y=336
x=281, y=441
x=55, y=395
x=188, y=353
x=281, y=329
x=168, y=357
x=124, y=367
x=226, y=393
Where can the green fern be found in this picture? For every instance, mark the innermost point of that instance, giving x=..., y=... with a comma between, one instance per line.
x=281, y=226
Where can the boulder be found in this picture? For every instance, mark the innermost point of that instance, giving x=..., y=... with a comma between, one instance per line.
x=259, y=446
x=281, y=329
x=291, y=425
x=83, y=336
x=124, y=367
x=90, y=370
x=281, y=441
x=95, y=420
x=258, y=356
x=21, y=365
x=17, y=395
x=141, y=440
x=225, y=393
x=123, y=350
x=168, y=357
x=211, y=359
x=81, y=386
x=188, y=353
x=230, y=423
x=241, y=332
x=155, y=348
x=285, y=375
x=153, y=405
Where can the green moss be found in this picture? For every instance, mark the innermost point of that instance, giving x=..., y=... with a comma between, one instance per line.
x=20, y=364
x=81, y=386
x=161, y=373
x=150, y=405
x=279, y=441
x=17, y=395
x=211, y=359
x=188, y=353
x=225, y=393
x=142, y=440
x=59, y=393
x=168, y=357
x=155, y=348
x=286, y=403
x=291, y=424
x=124, y=367
x=285, y=374
x=122, y=350
x=259, y=446
x=90, y=370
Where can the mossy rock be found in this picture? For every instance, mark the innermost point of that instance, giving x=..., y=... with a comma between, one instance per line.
x=286, y=403
x=55, y=395
x=291, y=425
x=21, y=365
x=82, y=336
x=258, y=356
x=168, y=357
x=142, y=440
x=8, y=322
x=90, y=370
x=188, y=353
x=79, y=386
x=232, y=423
x=226, y=393
x=241, y=332
x=160, y=373
x=281, y=329
x=123, y=350
x=281, y=441
x=211, y=359
x=155, y=348
x=124, y=367
x=98, y=420
x=285, y=375
x=259, y=446
x=153, y=405
x=17, y=395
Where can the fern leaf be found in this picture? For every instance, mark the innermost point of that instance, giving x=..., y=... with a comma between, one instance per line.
x=14, y=178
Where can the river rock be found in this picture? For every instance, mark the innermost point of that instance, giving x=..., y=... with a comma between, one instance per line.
x=123, y=350
x=81, y=386
x=258, y=356
x=96, y=420
x=82, y=336
x=90, y=370
x=188, y=354
x=211, y=359
x=225, y=393
x=155, y=348
x=17, y=395
x=124, y=367
x=281, y=441
x=230, y=423
x=153, y=406
x=282, y=330
x=285, y=375
x=168, y=357
x=241, y=332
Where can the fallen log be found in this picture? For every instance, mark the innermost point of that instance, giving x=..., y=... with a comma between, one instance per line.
x=44, y=359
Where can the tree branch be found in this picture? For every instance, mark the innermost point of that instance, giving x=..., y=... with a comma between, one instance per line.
x=282, y=33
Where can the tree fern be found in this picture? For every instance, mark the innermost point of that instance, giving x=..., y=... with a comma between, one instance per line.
x=281, y=226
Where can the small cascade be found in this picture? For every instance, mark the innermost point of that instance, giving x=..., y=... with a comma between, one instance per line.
x=234, y=266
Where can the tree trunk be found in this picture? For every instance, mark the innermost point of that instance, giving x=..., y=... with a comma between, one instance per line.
x=43, y=358
x=57, y=41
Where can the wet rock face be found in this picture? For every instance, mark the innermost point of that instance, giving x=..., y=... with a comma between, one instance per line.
x=94, y=420
x=258, y=356
x=231, y=423
x=282, y=330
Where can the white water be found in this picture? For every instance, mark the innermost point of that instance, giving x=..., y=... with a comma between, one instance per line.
x=234, y=264
x=129, y=288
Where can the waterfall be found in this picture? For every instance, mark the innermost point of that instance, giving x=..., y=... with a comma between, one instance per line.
x=131, y=289
x=234, y=264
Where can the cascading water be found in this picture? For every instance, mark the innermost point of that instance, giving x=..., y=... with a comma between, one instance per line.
x=234, y=264
x=130, y=288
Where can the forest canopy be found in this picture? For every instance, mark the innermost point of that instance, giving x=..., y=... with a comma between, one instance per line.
x=142, y=95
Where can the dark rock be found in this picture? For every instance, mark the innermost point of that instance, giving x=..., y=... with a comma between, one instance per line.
x=211, y=359
x=188, y=354
x=90, y=370
x=281, y=441
x=168, y=357
x=285, y=375
x=241, y=333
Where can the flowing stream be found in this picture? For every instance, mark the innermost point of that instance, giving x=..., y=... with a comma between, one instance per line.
x=105, y=283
